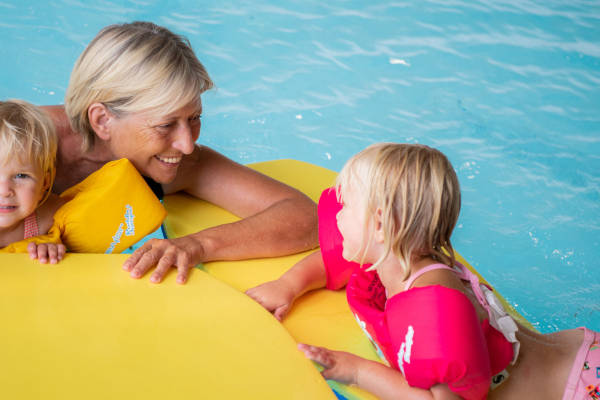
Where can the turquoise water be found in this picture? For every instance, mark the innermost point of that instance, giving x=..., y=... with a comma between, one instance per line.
x=509, y=90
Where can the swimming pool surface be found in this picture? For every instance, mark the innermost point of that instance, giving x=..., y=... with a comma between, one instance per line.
x=509, y=90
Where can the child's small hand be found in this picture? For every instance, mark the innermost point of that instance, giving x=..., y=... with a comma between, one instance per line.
x=276, y=296
x=45, y=252
x=338, y=365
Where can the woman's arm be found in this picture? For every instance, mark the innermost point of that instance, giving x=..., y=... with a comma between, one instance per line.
x=381, y=380
x=276, y=219
x=278, y=296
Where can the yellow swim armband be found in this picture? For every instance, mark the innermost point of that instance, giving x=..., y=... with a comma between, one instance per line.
x=53, y=236
x=109, y=211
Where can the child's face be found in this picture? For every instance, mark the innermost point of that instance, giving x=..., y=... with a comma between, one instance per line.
x=21, y=189
x=352, y=223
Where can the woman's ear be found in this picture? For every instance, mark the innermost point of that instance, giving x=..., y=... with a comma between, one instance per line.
x=378, y=226
x=100, y=118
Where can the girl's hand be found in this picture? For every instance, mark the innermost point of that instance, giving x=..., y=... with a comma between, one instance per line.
x=338, y=365
x=276, y=296
x=44, y=252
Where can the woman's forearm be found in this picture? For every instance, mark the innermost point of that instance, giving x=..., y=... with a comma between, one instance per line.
x=286, y=227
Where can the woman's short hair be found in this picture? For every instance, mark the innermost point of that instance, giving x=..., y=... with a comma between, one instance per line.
x=417, y=191
x=133, y=67
x=28, y=133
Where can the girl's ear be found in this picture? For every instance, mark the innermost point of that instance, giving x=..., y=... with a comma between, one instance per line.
x=100, y=119
x=46, y=188
x=378, y=226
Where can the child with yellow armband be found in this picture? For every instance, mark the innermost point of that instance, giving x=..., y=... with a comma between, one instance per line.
x=107, y=212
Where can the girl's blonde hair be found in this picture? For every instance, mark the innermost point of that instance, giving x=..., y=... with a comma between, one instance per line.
x=417, y=192
x=28, y=133
x=130, y=68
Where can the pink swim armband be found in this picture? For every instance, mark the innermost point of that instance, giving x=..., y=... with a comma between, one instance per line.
x=438, y=339
x=330, y=239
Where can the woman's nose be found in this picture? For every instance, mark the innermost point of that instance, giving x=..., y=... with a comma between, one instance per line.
x=184, y=139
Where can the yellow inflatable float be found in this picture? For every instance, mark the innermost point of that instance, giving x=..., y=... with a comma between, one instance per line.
x=85, y=329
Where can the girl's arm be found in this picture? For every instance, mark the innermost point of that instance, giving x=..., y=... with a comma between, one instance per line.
x=278, y=296
x=383, y=381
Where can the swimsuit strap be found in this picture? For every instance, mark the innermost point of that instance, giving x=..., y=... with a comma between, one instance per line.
x=420, y=272
x=463, y=273
x=30, y=226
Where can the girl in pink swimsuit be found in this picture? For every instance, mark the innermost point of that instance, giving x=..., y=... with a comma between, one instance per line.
x=439, y=332
x=27, y=166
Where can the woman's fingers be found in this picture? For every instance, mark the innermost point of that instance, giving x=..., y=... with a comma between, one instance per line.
x=184, y=265
x=163, y=254
x=164, y=265
x=132, y=261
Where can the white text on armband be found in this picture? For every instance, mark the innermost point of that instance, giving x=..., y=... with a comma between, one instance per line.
x=405, y=349
x=130, y=230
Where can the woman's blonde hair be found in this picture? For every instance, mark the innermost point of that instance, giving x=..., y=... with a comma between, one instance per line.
x=28, y=133
x=130, y=68
x=417, y=192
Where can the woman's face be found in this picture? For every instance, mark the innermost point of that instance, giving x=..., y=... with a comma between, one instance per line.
x=156, y=144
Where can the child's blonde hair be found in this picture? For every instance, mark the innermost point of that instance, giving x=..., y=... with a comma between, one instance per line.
x=131, y=68
x=417, y=192
x=28, y=133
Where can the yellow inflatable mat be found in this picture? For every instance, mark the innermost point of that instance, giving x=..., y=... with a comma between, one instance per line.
x=83, y=329
x=320, y=317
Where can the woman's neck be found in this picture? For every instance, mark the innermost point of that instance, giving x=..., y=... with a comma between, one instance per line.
x=73, y=165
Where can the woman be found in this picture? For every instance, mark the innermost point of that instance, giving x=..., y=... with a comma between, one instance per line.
x=135, y=93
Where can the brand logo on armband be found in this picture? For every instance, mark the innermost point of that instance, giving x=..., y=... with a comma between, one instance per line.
x=129, y=229
x=405, y=349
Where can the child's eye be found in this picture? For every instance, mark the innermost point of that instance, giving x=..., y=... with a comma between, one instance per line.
x=196, y=118
x=22, y=175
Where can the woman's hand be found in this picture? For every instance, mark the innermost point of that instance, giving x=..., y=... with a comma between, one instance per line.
x=46, y=252
x=276, y=296
x=182, y=253
x=338, y=365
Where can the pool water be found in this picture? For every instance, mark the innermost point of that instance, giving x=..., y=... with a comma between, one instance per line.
x=508, y=89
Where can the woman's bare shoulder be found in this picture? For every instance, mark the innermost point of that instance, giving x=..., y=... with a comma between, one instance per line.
x=46, y=211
